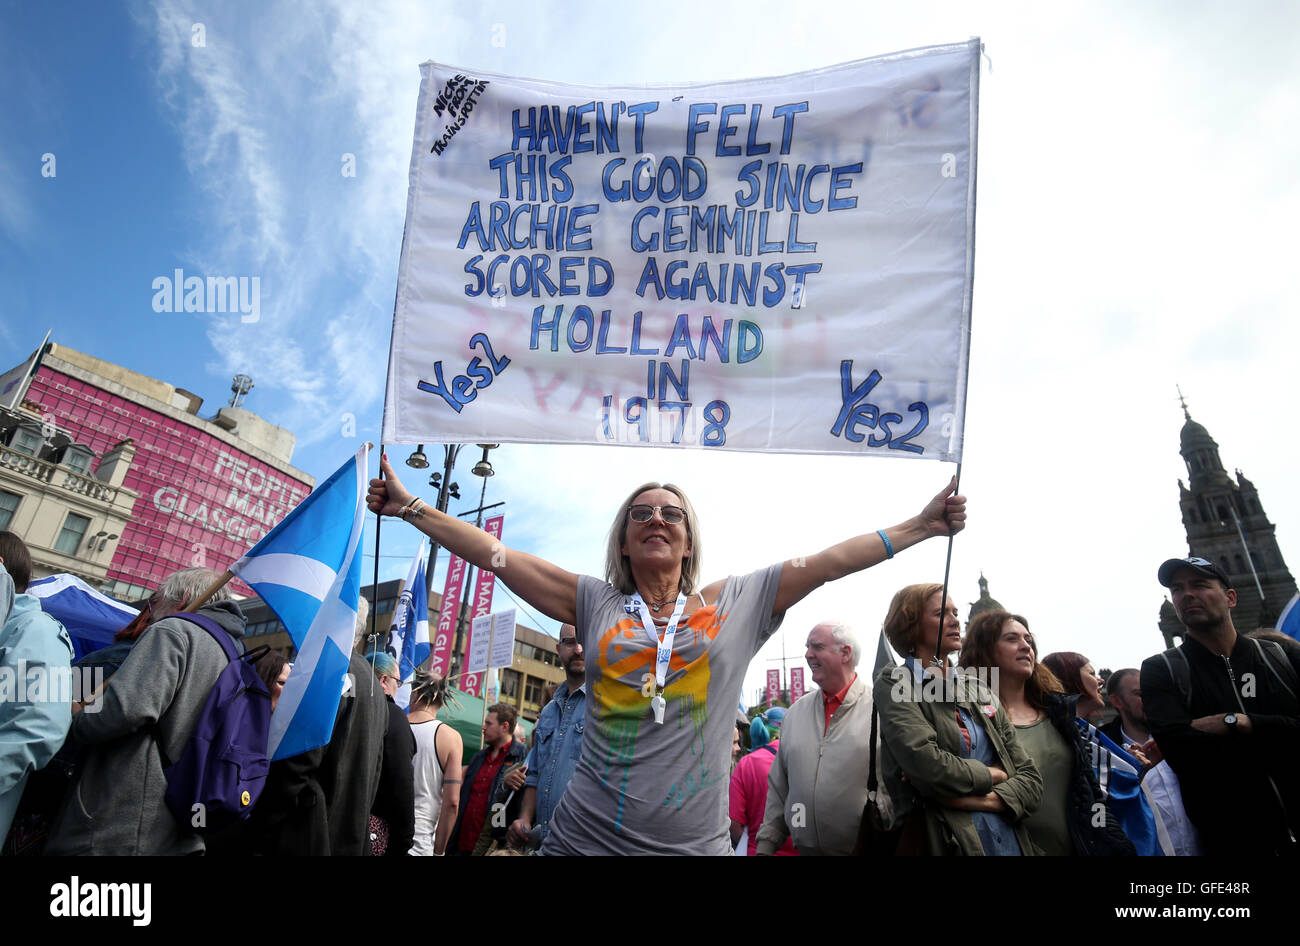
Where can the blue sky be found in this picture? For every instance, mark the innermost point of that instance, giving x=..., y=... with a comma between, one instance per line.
x=1136, y=204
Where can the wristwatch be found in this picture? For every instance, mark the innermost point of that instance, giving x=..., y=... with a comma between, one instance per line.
x=1230, y=721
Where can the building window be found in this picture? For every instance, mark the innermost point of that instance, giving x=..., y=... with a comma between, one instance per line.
x=27, y=441
x=77, y=459
x=533, y=691
x=74, y=530
x=8, y=506
x=510, y=685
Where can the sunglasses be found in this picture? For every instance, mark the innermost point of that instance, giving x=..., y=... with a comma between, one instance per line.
x=642, y=513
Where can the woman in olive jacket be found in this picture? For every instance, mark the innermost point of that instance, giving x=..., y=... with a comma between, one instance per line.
x=959, y=780
x=1074, y=817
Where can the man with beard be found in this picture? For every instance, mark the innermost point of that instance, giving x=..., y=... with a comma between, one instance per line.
x=1124, y=692
x=1224, y=711
x=557, y=746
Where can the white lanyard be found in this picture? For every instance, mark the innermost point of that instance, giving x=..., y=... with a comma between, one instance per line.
x=663, y=650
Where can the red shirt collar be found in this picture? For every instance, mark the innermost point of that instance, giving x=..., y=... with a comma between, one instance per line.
x=838, y=698
x=833, y=702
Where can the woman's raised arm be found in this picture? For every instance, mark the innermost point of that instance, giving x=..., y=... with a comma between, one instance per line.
x=547, y=587
x=945, y=514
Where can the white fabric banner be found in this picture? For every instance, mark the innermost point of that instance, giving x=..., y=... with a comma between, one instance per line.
x=780, y=264
x=480, y=639
x=503, y=638
x=492, y=641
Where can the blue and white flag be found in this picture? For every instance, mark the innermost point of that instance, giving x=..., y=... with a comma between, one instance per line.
x=408, y=640
x=92, y=618
x=1120, y=778
x=1288, y=621
x=308, y=569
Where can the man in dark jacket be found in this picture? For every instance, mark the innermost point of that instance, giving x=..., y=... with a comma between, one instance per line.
x=1224, y=710
x=395, y=802
x=319, y=802
x=483, y=779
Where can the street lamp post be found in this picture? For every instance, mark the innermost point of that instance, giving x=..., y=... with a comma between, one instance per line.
x=484, y=469
x=446, y=491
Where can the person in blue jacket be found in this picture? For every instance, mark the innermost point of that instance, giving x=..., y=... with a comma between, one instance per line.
x=34, y=648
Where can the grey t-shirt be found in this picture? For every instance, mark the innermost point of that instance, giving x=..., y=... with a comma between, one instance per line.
x=645, y=788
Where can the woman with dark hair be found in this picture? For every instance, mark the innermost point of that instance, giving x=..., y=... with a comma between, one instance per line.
x=1077, y=676
x=666, y=656
x=1066, y=821
x=274, y=669
x=1118, y=772
x=951, y=760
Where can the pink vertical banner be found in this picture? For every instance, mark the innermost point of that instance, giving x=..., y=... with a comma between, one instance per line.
x=773, y=685
x=440, y=658
x=482, y=604
x=796, y=683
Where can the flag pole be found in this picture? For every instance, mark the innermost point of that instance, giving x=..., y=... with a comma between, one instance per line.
x=202, y=599
x=492, y=635
x=372, y=639
x=947, y=565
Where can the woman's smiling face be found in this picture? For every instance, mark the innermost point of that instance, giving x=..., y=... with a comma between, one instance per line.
x=656, y=543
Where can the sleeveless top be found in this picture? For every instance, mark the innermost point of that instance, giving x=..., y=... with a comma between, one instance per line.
x=428, y=785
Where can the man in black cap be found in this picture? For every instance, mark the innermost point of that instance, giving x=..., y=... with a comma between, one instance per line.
x=1225, y=712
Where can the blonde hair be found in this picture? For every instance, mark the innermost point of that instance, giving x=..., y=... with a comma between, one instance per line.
x=618, y=570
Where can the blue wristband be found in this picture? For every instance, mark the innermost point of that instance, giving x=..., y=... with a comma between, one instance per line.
x=889, y=548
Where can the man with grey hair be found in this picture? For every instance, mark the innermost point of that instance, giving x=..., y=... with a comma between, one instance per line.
x=176, y=591
x=817, y=787
x=147, y=712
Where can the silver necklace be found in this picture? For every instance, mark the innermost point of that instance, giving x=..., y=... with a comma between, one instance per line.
x=659, y=606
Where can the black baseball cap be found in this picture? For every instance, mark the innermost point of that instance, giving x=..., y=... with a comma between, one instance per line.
x=1201, y=566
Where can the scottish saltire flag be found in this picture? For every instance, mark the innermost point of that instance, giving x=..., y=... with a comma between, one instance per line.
x=308, y=569
x=408, y=640
x=1120, y=777
x=92, y=618
x=1289, y=621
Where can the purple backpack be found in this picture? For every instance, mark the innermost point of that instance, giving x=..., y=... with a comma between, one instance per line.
x=222, y=770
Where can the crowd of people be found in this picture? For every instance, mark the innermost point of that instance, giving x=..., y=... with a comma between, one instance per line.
x=973, y=744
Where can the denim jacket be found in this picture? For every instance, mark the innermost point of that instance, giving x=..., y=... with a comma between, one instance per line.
x=557, y=746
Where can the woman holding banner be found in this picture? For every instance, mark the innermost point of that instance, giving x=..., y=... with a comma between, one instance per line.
x=666, y=656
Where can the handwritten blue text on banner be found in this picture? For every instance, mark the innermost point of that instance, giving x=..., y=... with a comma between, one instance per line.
x=779, y=264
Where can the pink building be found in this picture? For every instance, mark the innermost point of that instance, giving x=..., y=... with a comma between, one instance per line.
x=206, y=488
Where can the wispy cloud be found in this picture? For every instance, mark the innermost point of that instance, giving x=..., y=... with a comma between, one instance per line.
x=273, y=202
